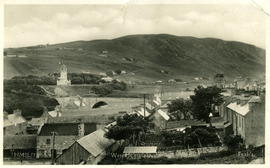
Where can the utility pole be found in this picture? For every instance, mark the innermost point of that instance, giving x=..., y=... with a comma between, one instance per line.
x=53, y=150
x=144, y=105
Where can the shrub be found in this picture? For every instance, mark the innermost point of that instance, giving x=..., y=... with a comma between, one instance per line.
x=233, y=142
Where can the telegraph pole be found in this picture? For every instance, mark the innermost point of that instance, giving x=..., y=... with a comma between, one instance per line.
x=53, y=142
x=144, y=105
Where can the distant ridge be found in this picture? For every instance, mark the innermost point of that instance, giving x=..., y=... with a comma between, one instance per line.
x=146, y=56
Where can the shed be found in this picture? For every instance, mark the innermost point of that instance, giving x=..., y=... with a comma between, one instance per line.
x=89, y=149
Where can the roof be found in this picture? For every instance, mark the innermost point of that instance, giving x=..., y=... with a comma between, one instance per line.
x=240, y=109
x=7, y=123
x=66, y=129
x=149, y=106
x=255, y=99
x=37, y=121
x=163, y=114
x=141, y=112
x=78, y=119
x=13, y=119
x=20, y=142
x=16, y=119
x=95, y=143
x=140, y=149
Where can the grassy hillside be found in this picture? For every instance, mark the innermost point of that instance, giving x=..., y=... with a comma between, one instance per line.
x=143, y=57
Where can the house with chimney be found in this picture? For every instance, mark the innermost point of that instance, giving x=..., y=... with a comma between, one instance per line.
x=247, y=118
x=65, y=134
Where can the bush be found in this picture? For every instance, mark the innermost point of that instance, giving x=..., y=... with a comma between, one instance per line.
x=233, y=142
x=102, y=90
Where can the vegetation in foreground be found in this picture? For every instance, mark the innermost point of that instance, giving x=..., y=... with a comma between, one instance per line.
x=220, y=158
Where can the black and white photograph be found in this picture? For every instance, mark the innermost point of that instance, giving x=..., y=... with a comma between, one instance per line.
x=134, y=83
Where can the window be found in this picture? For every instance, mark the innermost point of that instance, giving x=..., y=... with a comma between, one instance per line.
x=48, y=141
x=240, y=122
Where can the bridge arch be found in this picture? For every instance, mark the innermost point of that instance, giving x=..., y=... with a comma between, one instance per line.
x=99, y=104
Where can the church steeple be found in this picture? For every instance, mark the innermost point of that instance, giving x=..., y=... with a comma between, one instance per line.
x=63, y=79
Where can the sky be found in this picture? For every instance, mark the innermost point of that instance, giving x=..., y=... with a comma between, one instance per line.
x=26, y=25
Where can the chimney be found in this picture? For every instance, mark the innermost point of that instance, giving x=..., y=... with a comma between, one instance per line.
x=81, y=129
x=17, y=112
x=5, y=115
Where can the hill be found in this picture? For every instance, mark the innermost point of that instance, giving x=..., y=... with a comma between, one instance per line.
x=142, y=57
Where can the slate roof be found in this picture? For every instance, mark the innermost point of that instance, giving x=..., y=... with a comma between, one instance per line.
x=163, y=114
x=7, y=123
x=255, y=99
x=95, y=143
x=78, y=119
x=240, y=109
x=13, y=119
x=20, y=142
x=140, y=149
x=141, y=112
x=65, y=129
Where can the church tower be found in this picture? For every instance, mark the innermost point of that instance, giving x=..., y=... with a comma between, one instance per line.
x=63, y=79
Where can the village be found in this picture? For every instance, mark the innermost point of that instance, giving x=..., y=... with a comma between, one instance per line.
x=212, y=120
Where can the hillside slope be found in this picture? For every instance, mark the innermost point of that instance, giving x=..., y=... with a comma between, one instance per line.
x=143, y=57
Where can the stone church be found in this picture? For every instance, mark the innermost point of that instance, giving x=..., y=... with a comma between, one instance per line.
x=63, y=79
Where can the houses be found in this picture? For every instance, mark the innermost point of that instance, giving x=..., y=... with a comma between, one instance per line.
x=20, y=146
x=160, y=119
x=248, y=119
x=66, y=134
x=89, y=149
x=244, y=116
x=107, y=79
x=14, y=124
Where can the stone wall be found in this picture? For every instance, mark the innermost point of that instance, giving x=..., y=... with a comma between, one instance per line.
x=190, y=153
x=176, y=154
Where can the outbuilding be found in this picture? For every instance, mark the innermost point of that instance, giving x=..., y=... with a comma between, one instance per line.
x=89, y=149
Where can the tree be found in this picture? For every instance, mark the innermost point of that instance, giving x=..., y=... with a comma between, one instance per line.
x=128, y=127
x=102, y=90
x=233, y=142
x=180, y=107
x=203, y=101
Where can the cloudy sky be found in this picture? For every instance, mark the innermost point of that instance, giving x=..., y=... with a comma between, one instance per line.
x=27, y=25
